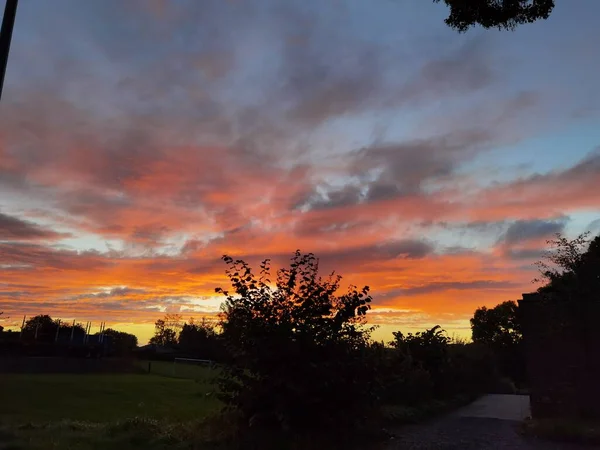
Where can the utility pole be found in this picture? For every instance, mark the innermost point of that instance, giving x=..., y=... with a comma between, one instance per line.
x=8, y=22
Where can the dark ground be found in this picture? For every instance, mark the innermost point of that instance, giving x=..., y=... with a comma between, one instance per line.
x=491, y=422
x=471, y=433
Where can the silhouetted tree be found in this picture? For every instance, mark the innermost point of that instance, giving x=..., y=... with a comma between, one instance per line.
x=503, y=14
x=166, y=330
x=571, y=268
x=200, y=340
x=498, y=326
x=426, y=350
x=42, y=328
x=121, y=343
x=572, y=275
x=299, y=349
x=43, y=323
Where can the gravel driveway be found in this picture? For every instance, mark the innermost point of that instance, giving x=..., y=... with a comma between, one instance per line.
x=475, y=427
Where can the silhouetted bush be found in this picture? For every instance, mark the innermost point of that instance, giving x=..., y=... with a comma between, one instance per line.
x=425, y=366
x=472, y=369
x=43, y=329
x=301, y=356
x=120, y=343
x=201, y=340
x=499, y=328
x=427, y=351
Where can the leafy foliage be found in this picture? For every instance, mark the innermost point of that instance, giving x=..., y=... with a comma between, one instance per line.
x=498, y=326
x=427, y=354
x=427, y=349
x=166, y=330
x=121, y=343
x=42, y=328
x=300, y=351
x=201, y=340
x=472, y=369
x=503, y=14
x=427, y=366
x=570, y=270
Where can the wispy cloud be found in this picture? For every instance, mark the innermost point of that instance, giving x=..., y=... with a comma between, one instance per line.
x=140, y=142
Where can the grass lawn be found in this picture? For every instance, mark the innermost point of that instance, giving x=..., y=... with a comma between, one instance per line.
x=191, y=371
x=79, y=411
x=103, y=398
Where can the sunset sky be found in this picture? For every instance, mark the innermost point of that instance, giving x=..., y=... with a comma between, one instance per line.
x=140, y=140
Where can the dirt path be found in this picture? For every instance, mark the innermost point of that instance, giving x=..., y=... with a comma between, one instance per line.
x=492, y=422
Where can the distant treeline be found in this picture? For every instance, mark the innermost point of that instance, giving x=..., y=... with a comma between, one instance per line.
x=43, y=335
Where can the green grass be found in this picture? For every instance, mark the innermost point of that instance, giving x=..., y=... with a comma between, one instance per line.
x=103, y=410
x=130, y=434
x=179, y=370
x=103, y=398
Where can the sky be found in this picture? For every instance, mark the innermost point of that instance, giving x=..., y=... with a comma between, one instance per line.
x=141, y=140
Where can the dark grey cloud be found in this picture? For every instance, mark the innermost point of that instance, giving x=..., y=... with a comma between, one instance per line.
x=589, y=165
x=452, y=285
x=331, y=75
x=402, y=168
x=150, y=232
x=326, y=87
x=465, y=70
x=525, y=230
x=86, y=202
x=326, y=197
x=344, y=259
x=33, y=255
x=116, y=292
x=382, y=190
x=408, y=248
x=584, y=171
x=405, y=249
x=15, y=229
x=317, y=226
x=527, y=254
x=392, y=170
x=405, y=166
x=485, y=226
x=100, y=306
x=177, y=78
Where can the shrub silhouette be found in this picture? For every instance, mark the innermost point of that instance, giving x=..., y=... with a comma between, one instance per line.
x=300, y=352
x=201, y=340
x=426, y=353
x=499, y=328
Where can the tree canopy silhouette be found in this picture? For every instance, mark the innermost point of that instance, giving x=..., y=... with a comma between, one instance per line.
x=503, y=14
x=499, y=329
x=298, y=348
x=43, y=328
x=122, y=343
x=571, y=268
x=498, y=326
x=166, y=330
x=200, y=340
